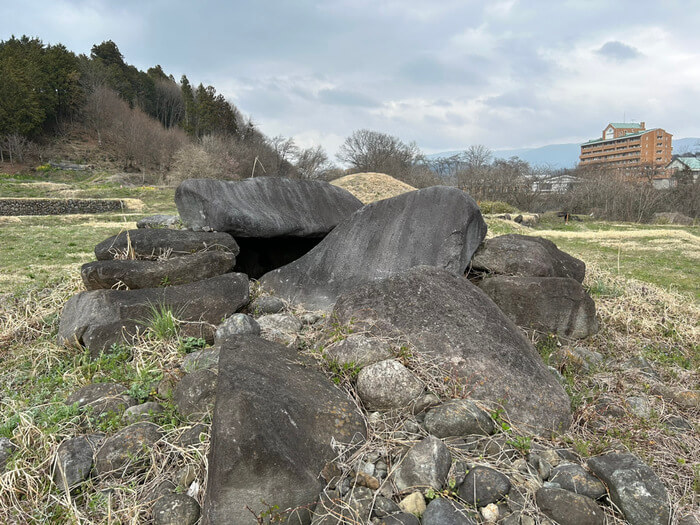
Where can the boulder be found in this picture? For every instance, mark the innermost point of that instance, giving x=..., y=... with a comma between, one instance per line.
x=194, y=394
x=386, y=385
x=557, y=305
x=574, y=478
x=74, y=460
x=382, y=239
x=135, y=274
x=237, y=324
x=176, y=509
x=281, y=328
x=149, y=243
x=444, y=511
x=102, y=399
x=425, y=465
x=264, y=206
x=568, y=508
x=274, y=420
x=97, y=319
x=266, y=304
x=484, y=485
x=455, y=326
x=526, y=256
x=147, y=411
x=633, y=487
x=458, y=417
x=128, y=450
x=358, y=349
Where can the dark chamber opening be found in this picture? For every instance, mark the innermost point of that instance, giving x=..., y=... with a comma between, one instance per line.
x=261, y=255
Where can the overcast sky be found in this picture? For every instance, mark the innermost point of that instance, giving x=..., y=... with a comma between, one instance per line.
x=442, y=73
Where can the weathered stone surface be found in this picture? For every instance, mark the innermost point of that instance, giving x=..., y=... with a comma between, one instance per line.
x=456, y=326
x=273, y=423
x=151, y=243
x=437, y=226
x=205, y=358
x=526, y=256
x=195, y=393
x=547, y=304
x=7, y=449
x=176, y=509
x=358, y=349
x=386, y=385
x=266, y=304
x=135, y=274
x=237, y=324
x=442, y=511
x=576, y=359
x=74, y=460
x=128, y=450
x=575, y=478
x=400, y=518
x=414, y=504
x=425, y=465
x=568, y=508
x=264, y=206
x=171, y=222
x=633, y=487
x=143, y=412
x=194, y=436
x=484, y=485
x=99, y=318
x=102, y=399
x=280, y=328
x=459, y=417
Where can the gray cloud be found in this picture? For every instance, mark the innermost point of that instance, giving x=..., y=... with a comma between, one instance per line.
x=619, y=51
x=344, y=97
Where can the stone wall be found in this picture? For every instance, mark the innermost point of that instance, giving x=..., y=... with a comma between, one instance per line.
x=59, y=206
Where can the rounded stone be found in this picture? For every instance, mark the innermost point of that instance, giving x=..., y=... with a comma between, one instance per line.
x=176, y=509
x=459, y=417
x=267, y=304
x=442, y=511
x=128, y=450
x=575, y=478
x=387, y=385
x=143, y=412
x=237, y=324
x=568, y=508
x=484, y=485
x=358, y=349
x=195, y=394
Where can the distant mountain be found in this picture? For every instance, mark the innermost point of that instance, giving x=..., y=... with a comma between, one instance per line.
x=559, y=156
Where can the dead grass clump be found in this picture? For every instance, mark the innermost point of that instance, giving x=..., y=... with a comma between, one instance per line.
x=370, y=187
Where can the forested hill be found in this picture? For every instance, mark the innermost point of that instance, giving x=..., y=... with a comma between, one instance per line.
x=44, y=84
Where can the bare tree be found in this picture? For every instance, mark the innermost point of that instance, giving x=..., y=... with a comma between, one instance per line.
x=367, y=150
x=312, y=163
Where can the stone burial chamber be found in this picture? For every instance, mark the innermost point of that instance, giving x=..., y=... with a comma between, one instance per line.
x=274, y=220
x=438, y=226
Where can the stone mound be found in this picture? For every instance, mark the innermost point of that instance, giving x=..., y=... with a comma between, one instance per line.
x=371, y=187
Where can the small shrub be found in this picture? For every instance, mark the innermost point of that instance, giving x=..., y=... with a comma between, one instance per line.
x=162, y=322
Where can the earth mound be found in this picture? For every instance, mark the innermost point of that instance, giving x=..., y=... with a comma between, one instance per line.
x=370, y=186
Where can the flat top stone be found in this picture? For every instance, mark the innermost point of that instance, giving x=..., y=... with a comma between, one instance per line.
x=438, y=226
x=264, y=206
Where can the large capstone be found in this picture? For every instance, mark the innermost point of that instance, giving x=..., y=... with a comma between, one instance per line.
x=438, y=226
x=97, y=319
x=455, y=326
x=274, y=421
x=526, y=256
x=149, y=243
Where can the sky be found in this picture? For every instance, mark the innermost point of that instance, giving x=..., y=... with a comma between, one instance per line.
x=444, y=74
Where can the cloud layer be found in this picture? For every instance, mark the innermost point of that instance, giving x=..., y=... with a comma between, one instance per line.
x=443, y=74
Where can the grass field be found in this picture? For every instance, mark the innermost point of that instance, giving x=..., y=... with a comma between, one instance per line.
x=644, y=280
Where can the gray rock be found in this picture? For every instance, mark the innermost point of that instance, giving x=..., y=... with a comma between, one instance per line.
x=164, y=488
x=143, y=412
x=484, y=485
x=633, y=487
x=575, y=478
x=74, y=459
x=154, y=243
x=458, y=417
x=425, y=465
x=526, y=256
x=387, y=385
x=358, y=349
x=443, y=511
x=266, y=304
x=453, y=324
x=7, y=449
x=274, y=420
x=558, y=305
x=568, y=508
x=101, y=399
x=310, y=318
x=576, y=359
x=136, y=274
x=194, y=436
x=280, y=328
x=201, y=359
x=382, y=239
x=689, y=519
x=400, y=518
x=237, y=324
x=640, y=406
x=678, y=423
x=264, y=206
x=194, y=395
x=128, y=450
x=384, y=507
x=171, y=222
x=99, y=318
x=176, y=509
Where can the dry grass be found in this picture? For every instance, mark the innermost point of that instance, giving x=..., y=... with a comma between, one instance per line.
x=370, y=187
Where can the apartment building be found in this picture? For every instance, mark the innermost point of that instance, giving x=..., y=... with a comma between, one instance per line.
x=628, y=145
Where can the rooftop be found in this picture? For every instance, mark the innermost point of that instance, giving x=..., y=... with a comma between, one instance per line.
x=693, y=163
x=624, y=125
x=628, y=135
